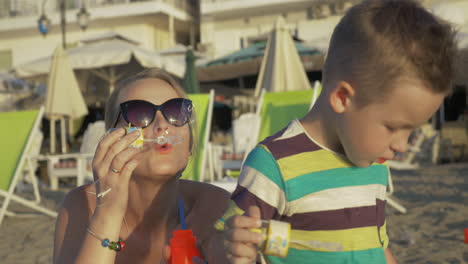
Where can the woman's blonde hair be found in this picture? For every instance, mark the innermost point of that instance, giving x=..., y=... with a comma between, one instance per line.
x=112, y=108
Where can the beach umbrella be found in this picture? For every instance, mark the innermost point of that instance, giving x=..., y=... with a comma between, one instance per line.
x=281, y=68
x=63, y=96
x=105, y=56
x=191, y=83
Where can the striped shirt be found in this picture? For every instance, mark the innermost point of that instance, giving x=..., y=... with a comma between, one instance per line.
x=336, y=210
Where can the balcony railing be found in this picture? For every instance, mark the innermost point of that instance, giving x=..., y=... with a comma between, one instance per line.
x=19, y=8
x=186, y=5
x=214, y=1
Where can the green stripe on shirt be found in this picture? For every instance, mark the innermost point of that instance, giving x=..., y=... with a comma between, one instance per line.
x=262, y=161
x=335, y=178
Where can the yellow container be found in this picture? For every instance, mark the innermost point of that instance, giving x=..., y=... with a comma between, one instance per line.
x=138, y=143
x=276, y=237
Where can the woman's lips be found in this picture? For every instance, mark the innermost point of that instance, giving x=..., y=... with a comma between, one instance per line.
x=164, y=148
x=381, y=160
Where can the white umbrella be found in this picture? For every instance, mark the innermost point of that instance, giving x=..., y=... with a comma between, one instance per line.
x=63, y=96
x=101, y=55
x=281, y=68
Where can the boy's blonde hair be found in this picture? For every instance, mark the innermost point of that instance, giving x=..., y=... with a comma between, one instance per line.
x=379, y=42
x=112, y=108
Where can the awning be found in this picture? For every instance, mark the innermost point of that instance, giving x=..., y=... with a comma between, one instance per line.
x=101, y=52
x=247, y=61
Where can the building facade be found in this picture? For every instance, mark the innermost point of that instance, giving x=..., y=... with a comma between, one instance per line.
x=214, y=27
x=155, y=24
x=227, y=25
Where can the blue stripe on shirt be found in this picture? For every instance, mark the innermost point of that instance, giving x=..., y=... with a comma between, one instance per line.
x=335, y=178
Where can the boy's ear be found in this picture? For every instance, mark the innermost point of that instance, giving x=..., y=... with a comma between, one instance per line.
x=340, y=97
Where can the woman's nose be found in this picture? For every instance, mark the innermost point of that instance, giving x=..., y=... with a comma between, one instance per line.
x=160, y=123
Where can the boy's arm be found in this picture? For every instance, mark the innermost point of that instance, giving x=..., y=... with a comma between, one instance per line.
x=260, y=185
x=389, y=257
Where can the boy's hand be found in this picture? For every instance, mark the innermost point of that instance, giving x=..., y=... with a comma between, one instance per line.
x=239, y=242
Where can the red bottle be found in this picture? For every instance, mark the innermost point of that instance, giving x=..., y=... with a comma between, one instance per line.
x=183, y=247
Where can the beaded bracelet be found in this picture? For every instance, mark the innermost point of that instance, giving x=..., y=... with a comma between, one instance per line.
x=116, y=246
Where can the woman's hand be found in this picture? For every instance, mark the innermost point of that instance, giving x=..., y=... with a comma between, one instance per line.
x=113, y=165
x=240, y=243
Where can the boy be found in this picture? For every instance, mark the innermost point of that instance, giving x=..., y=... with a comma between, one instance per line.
x=388, y=69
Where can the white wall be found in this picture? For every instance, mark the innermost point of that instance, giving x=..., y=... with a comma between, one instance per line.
x=145, y=22
x=318, y=32
x=28, y=47
x=225, y=35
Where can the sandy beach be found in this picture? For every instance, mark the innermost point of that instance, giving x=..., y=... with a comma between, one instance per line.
x=430, y=233
x=437, y=201
x=29, y=238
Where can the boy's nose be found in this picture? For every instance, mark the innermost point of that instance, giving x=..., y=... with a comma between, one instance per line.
x=400, y=144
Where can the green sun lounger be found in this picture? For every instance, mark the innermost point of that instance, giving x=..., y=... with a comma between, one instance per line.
x=203, y=105
x=16, y=137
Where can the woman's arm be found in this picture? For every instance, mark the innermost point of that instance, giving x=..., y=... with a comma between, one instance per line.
x=78, y=237
x=68, y=229
x=73, y=244
x=389, y=257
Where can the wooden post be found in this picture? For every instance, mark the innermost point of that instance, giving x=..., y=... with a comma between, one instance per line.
x=112, y=79
x=192, y=36
x=63, y=133
x=171, y=31
x=71, y=126
x=52, y=134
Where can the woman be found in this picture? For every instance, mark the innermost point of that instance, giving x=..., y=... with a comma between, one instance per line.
x=138, y=192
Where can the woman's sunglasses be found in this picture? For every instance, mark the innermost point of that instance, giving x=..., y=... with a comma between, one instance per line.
x=140, y=113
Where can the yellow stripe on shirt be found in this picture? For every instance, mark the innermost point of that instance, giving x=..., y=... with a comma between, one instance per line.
x=336, y=240
x=310, y=162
